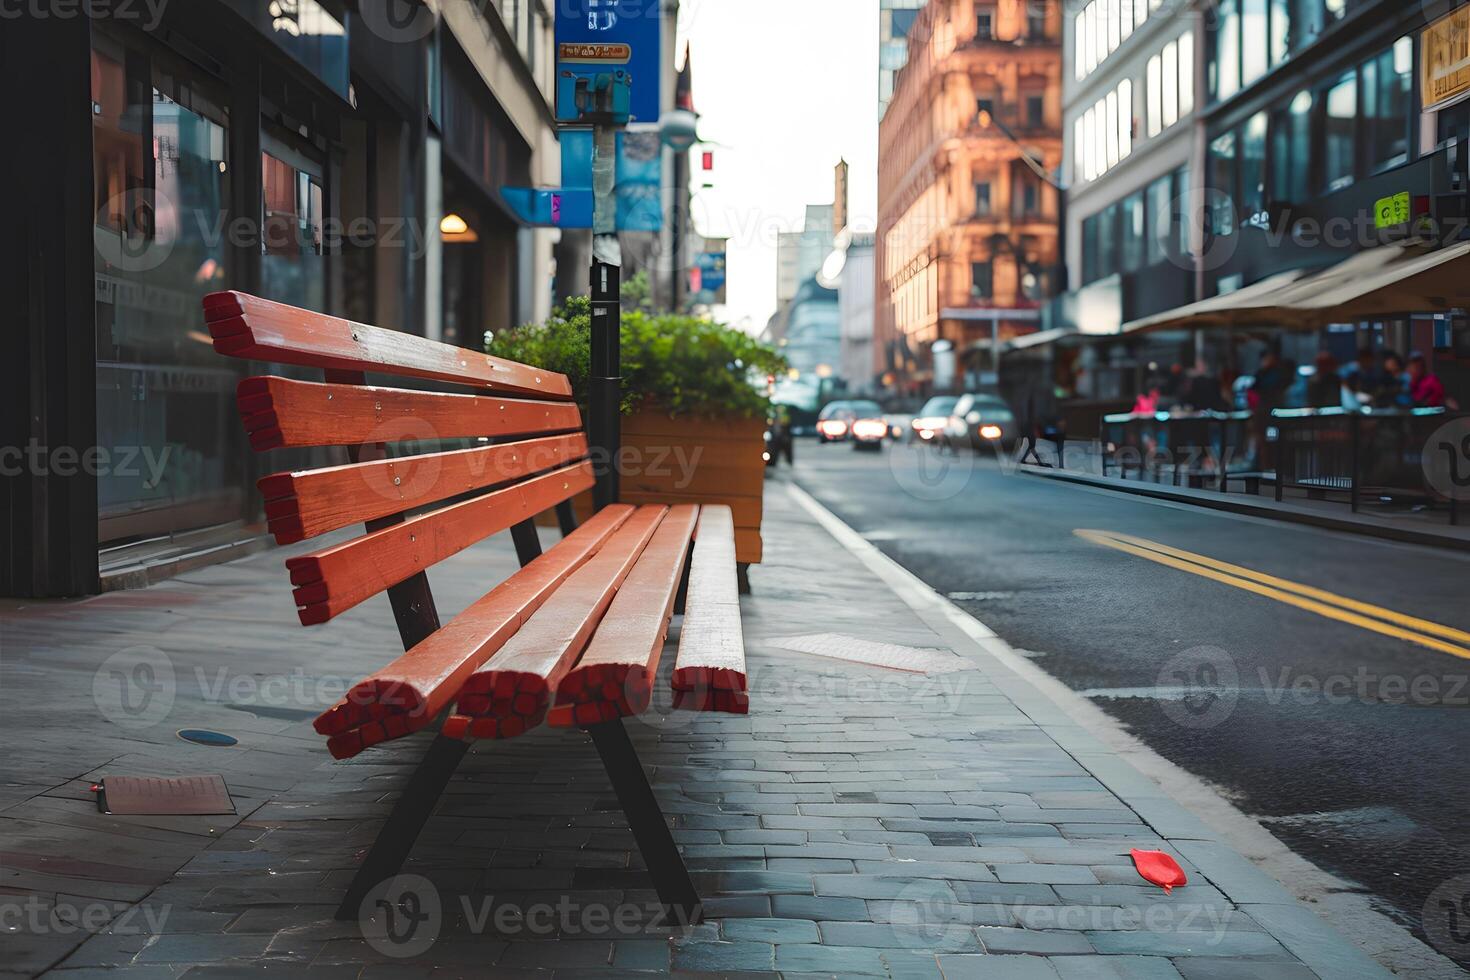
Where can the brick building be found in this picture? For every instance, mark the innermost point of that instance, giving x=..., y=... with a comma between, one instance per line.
x=967, y=207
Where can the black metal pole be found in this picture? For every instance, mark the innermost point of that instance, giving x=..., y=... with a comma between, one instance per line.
x=605, y=390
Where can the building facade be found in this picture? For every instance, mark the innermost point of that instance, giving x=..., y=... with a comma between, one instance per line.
x=1213, y=146
x=895, y=20
x=969, y=156
x=1134, y=96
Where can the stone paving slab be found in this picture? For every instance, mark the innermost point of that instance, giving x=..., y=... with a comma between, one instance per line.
x=860, y=821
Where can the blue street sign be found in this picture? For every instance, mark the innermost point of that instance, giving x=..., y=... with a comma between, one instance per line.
x=711, y=271
x=605, y=38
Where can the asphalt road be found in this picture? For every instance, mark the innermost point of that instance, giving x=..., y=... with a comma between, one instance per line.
x=1348, y=744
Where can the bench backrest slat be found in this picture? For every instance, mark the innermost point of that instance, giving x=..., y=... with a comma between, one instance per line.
x=312, y=502
x=537, y=459
x=247, y=326
x=280, y=413
x=335, y=579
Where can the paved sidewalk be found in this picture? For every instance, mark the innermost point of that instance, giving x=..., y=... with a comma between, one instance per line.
x=860, y=821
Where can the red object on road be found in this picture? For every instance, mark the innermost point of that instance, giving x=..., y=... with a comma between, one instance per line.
x=1159, y=868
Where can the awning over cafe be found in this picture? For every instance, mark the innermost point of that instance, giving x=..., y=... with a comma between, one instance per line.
x=1386, y=281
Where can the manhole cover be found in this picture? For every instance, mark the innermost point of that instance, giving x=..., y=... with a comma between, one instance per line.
x=203, y=736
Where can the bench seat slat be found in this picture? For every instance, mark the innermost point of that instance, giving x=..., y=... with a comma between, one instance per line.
x=513, y=691
x=614, y=677
x=709, y=672
x=311, y=502
x=424, y=681
x=335, y=579
x=281, y=413
x=248, y=326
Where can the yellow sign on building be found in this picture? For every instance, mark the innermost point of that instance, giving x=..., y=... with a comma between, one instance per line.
x=1446, y=56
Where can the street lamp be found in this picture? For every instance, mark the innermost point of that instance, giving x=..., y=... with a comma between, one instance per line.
x=678, y=129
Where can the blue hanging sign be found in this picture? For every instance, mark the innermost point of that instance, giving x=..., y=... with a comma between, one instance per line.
x=606, y=44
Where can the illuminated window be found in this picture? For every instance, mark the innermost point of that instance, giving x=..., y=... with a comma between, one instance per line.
x=1079, y=44
x=1171, y=83
x=1186, y=73
x=1112, y=129
x=1155, y=97
x=1125, y=118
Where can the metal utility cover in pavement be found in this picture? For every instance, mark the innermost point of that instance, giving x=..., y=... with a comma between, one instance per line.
x=164, y=796
x=838, y=646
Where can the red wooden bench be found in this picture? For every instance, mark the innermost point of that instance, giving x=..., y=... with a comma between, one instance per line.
x=573, y=639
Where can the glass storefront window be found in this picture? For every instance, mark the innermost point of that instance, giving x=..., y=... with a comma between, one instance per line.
x=1180, y=209
x=1291, y=150
x=1253, y=166
x=165, y=402
x=1388, y=89
x=1133, y=232
x=1107, y=241
x=1225, y=68
x=1254, y=40
x=1339, y=143
x=1280, y=31
x=1221, y=201
x=291, y=267
x=1160, y=221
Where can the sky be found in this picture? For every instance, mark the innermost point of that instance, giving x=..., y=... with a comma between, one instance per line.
x=785, y=88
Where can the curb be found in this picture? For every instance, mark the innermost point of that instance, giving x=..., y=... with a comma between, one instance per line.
x=1238, y=504
x=1062, y=715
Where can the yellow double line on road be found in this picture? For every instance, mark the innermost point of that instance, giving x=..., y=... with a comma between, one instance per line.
x=1445, y=639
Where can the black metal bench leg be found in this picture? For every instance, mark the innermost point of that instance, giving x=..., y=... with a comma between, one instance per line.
x=665, y=864
x=566, y=518
x=409, y=815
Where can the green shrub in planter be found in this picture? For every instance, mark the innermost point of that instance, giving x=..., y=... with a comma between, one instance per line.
x=683, y=365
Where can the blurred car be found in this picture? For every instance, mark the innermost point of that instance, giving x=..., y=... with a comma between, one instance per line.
x=928, y=425
x=900, y=424
x=981, y=421
x=834, y=422
x=869, y=431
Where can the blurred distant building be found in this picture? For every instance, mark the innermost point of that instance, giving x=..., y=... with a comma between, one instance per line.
x=895, y=20
x=968, y=153
x=855, y=310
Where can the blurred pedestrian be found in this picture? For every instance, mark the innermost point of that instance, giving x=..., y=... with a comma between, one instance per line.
x=1202, y=392
x=1326, y=389
x=1267, y=393
x=1363, y=377
x=1393, y=383
x=1425, y=388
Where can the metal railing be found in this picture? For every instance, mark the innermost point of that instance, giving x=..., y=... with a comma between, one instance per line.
x=1198, y=446
x=1367, y=452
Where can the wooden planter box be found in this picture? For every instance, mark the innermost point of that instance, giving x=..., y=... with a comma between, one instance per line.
x=702, y=461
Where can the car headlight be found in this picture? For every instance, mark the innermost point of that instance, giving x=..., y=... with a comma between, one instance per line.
x=973, y=418
x=990, y=432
